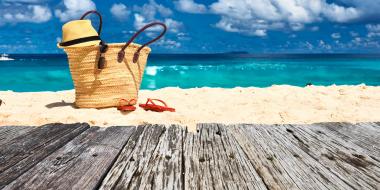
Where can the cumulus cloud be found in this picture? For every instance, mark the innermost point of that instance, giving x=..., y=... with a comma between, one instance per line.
x=189, y=6
x=140, y=21
x=30, y=13
x=173, y=25
x=373, y=30
x=369, y=9
x=169, y=44
x=308, y=45
x=183, y=36
x=296, y=26
x=120, y=11
x=73, y=9
x=340, y=14
x=245, y=16
x=153, y=11
x=323, y=45
x=260, y=32
x=335, y=35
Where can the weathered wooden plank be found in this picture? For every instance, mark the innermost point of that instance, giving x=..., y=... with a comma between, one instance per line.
x=281, y=163
x=364, y=135
x=7, y=133
x=131, y=169
x=214, y=160
x=216, y=157
x=20, y=154
x=163, y=170
x=346, y=160
x=80, y=164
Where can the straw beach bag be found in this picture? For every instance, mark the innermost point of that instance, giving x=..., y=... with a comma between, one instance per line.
x=103, y=74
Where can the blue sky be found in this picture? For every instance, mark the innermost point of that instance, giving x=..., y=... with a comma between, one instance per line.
x=209, y=26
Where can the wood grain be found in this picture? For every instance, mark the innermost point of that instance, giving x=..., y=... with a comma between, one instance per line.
x=7, y=133
x=22, y=153
x=80, y=164
x=281, y=162
x=245, y=156
x=213, y=159
x=346, y=160
x=364, y=135
x=135, y=159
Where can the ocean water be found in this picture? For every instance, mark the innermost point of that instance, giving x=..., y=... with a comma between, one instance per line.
x=51, y=72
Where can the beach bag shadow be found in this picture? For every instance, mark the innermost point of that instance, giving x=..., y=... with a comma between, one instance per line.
x=105, y=73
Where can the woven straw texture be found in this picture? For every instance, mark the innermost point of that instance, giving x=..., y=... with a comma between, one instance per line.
x=103, y=88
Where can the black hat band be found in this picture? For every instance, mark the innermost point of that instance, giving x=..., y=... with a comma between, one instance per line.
x=79, y=40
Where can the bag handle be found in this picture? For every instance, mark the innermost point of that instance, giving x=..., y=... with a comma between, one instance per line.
x=100, y=19
x=102, y=45
x=121, y=53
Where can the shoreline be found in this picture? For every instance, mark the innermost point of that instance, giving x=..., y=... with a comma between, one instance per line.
x=278, y=104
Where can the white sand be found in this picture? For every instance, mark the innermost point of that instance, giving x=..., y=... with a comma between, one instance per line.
x=276, y=104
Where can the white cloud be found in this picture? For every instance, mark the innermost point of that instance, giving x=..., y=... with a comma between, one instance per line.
x=335, y=35
x=369, y=9
x=120, y=11
x=245, y=16
x=373, y=30
x=357, y=40
x=74, y=9
x=152, y=11
x=324, y=45
x=139, y=21
x=30, y=13
x=168, y=44
x=260, y=32
x=189, y=6
x=183, y=36
x=296, y=26
x=309, y=46
x=340, y=14
x=173, y=25
x=250, y=28
x=373, y=27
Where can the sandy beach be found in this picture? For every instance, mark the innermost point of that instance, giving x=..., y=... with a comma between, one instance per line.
x=276, y=104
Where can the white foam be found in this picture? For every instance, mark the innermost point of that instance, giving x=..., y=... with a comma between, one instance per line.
x=151, y=70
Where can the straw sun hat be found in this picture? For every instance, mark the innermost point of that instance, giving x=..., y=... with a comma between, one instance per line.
x=79, y=33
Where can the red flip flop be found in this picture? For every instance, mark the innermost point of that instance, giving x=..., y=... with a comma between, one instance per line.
x=128, y=105
x=150, y=105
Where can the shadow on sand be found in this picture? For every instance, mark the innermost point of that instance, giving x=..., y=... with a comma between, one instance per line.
x=60, y=104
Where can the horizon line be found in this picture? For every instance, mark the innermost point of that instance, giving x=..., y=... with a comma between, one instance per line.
x=224, y=53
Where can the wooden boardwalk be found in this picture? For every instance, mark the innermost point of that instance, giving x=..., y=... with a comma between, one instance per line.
x=77, y=156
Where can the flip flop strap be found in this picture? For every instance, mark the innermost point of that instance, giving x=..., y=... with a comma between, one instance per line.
x=126, y=101
x=151, y=101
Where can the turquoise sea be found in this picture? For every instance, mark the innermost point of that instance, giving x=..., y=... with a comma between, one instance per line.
x=51, y=72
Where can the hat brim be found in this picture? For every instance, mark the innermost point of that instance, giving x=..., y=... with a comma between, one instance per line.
x=84, y=44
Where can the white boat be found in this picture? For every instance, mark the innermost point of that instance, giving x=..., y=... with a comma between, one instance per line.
x=4, y=57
